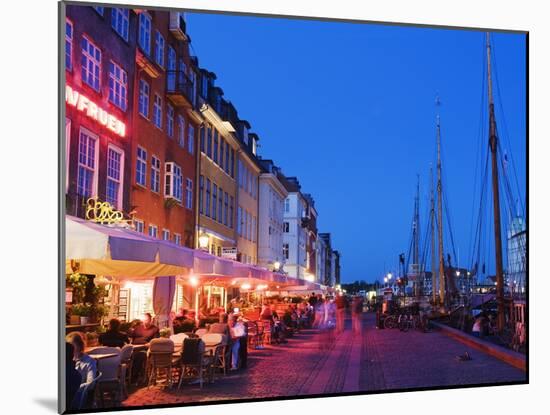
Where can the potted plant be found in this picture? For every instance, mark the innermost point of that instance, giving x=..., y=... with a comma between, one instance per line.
x=83, y=311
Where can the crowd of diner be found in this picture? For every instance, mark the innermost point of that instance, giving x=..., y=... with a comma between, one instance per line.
x=192, y=349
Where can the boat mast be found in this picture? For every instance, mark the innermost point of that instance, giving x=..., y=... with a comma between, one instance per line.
x=416, y=238
x=440, y=214
x=493, y=145
x=432, y=223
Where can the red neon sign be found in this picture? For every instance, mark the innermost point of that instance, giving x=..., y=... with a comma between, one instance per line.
x=90, y=108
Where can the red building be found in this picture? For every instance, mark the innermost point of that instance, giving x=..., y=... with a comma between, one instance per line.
x=166, y=124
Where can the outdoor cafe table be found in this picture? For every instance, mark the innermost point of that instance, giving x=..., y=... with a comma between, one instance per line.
x=103, y=356
x=136, y=347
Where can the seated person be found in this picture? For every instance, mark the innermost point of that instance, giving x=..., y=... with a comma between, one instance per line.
x=266, y=313
x=84, y=364
x=72, y=377
x=145, y=332
x=113, y=337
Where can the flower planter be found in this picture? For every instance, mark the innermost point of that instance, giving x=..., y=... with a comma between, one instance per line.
x=75, y=320
x=84, y=320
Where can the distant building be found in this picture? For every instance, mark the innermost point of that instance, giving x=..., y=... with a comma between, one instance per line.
x=336, y=255
x=309, y=222
x=330, y=268
x=515, y=276
x=294, y=233
x=270, y=216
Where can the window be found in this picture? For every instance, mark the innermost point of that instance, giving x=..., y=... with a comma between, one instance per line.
x=207, y=210
x=144, y=35
x=115, y=167
x=118, y=86
x=87, y=164
x=173, y=181
x=189, y=194
x=215, y=152
x=91, y=63
x=157, y=111
x=141, y=166
x=143, y=103
x=190, y=139
x=231, y=211
x=220, y=205
x=155, y=174
x=201, y=194
x=169, y=120
x=140, y=227
x=239, y=220
x=287, y=205
x=68, y=45
x=202, y=132
x=119, y=21
x=181, y=130
x=232, y=163
x=171, y=82
x=153, y=231
x=285, y=251
x=226, y=166
x=253, y=228
x=67, y=151
x=99, y=10
x=222, y=151
x=159, y=49
x=286, y=227
x=165, y=235
x=215, y=201
x=226, y=209
x=177, y=239
x=209, y=142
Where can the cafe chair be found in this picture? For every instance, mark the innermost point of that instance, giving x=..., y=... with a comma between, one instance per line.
x=161, y=359
x=85, y=397
x=178, y=341
x=253, y=334
x=267, y=328
x=110, y=383
x=217, y=343
x=194, y=364
x=126, y=368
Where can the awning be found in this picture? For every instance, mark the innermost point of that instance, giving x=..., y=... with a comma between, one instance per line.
x=119, y=252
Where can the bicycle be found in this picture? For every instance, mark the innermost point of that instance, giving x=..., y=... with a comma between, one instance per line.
x=406, y=322
x=390, y=322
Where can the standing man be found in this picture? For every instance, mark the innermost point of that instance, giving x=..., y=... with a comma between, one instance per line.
x=357, y=313
x=340, y=312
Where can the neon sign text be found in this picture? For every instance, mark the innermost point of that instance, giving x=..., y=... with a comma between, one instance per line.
x=90, y=108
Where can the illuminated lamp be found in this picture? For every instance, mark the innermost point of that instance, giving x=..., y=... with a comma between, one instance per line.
x=309, y=277
x=193, y=280
x=246, y=286
x=204, y=239
x=276, y=265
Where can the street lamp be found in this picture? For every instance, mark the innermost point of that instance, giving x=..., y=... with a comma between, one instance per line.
x=389, y=276
x=203, y=241
x=276, y=266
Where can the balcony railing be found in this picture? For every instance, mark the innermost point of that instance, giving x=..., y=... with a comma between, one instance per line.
x=177, y=25
x=179, y=88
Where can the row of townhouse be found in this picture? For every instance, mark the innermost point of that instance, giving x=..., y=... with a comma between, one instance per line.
x=150, y=132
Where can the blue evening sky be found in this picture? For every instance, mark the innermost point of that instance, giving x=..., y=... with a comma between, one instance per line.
x=349, y=109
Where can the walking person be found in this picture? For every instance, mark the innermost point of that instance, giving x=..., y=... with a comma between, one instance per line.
x=357, y=313
x=340, y=312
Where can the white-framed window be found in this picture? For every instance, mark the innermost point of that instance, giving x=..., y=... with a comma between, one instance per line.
x=215, y=201
x=118, y=86
x=165, y=235
x=68, y=45
x=226, y=209
x=173, y=181
x=67, y=151
x=155, y=174
x=153, y=231
x=99, y=10
x=140, y=226
x=141, y=167
x=239, y=220
x=287, y=205
x=181, y=130
x=143, y=103
x=177, y=239
x=231, y=211
x=169, y=120
x=285, y=251
x=159, y=49
x=208, y=200
x=171, y=76
x=144, y=34
x=120, y=21
x=115, y=176
x=88, y=144
x=157, y=111
x=189, y=194
x=190, y=139
x=91, y=63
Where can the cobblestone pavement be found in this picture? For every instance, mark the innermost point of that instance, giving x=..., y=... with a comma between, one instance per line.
x=309, y=364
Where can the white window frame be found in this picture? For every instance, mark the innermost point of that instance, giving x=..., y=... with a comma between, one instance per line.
x=119, y=83
x=177, y=238
x=96, y=160
x=120, y=21
x=67, y=151
x=165, y=234
x=189, y=193
x=94, y=60
x=153, y=231
x=159, y=48
x=143, y=101
x=190, y=138
x=157, y=111
x=118, y=150
x=142, y=162
x=69, y=46
x=140, y=225
x=144, y=32
x=170, y=120
x=155, y=174
x=173, y=181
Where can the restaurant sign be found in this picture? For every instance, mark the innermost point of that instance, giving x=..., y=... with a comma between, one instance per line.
x=105, y=214
x=92, y=110
x=229, y=253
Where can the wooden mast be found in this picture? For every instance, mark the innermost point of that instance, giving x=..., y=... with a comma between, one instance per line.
x=416, y=239
x=493, y=145
x=432, y=223
x=440, y=215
